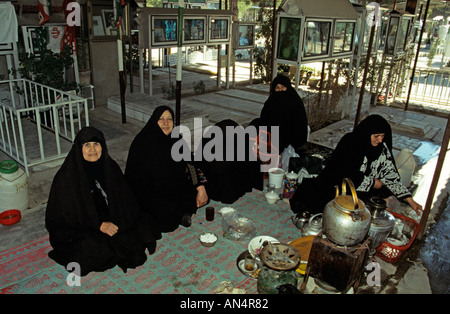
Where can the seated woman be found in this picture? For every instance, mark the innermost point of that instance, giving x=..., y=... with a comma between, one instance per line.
x=364, y=156
x=228, y=179
x=92, y=215
x=168, y=191
x=284, y=108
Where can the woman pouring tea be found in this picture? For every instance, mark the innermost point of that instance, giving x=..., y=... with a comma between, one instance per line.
x=365, y=156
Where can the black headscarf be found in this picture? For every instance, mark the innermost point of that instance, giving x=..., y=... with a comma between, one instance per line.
x=283, y=80
x=160, y=183
x=345, y=162
x=373, y=124
x=286, y=110
x=75, y=211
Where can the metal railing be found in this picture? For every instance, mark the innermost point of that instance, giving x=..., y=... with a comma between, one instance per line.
x=429, y=85
x=38, y=123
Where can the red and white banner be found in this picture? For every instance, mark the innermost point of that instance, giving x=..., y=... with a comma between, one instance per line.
x=43, y=11
x=69, y=31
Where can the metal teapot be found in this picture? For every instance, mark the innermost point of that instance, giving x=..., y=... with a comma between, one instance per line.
x=300, y=219
x=381, y=224
x=313, y=227
x=346, y=220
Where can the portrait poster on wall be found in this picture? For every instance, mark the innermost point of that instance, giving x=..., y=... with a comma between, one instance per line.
x=109, y=22
x=246, y=36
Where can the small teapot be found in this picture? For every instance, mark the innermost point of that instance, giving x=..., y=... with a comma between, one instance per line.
x=313, y=227
x=301, y=219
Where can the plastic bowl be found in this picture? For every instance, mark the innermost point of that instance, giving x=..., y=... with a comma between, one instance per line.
x=208, y=239
x=10, y=217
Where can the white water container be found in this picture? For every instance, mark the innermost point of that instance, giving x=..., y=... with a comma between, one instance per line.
x=13, y=186
x=406, y=165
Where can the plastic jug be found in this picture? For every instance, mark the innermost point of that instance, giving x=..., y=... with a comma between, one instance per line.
x=13, y=186
x=406, y=165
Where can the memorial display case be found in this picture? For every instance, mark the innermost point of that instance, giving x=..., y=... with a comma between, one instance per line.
x=288, y=38
x=219, y=27
x=397, y=33
x=194, y=29
x=317, y=38
x=164, y=30
x=343, y=37
x=313, y=31
x=246, y=36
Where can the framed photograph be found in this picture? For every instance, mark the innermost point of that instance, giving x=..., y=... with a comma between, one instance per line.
x=109, y=23
x=288, y=38
x=246, y=36
x=219, y=29
x=194, y=29
x=97, y=24
x=164, y=31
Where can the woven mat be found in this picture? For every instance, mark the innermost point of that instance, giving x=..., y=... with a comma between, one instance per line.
x=180, y=265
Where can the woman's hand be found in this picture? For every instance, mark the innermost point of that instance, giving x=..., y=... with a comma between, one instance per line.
x=109, y=228
x=414, y=205
x=202, y=196
x=377, y=184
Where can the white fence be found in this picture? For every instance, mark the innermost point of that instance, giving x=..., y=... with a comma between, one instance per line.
x=38, y=123
x=429, y=85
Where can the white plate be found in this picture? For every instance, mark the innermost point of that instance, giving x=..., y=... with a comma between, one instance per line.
x=255, y=244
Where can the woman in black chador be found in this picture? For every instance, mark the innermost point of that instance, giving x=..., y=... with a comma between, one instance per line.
x=168, y=191
x=284, y=108
x=92, y=215
x=229, y=175
x=364, y=156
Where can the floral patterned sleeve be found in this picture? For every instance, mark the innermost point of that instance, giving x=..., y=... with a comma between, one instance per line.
x=389, y=175
x=196, y=175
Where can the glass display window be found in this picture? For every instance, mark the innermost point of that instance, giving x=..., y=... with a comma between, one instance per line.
x=402, y=36
x=194, y=30
x=383, y=30
x=164, y=31
x=317, y=38
x=246, y=36
x=219, y=29
x=391, y=35
x=343, y=36
x=288, y=38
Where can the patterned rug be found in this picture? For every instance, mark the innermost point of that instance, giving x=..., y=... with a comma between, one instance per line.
x=180, y=265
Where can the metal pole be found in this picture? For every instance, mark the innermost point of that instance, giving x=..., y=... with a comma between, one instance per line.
x=272, y=58
x=411, y=80
x=122, y=75
x=366, y=69
x=434, y=182
x=179, y=61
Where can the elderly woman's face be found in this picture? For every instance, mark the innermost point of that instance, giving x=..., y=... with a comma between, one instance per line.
x=376, y=139
x=165, y=122
x=92, y=151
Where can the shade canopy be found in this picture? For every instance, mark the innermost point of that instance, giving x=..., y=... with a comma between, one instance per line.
x=341, y=9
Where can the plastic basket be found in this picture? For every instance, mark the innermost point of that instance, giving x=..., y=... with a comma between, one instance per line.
x=392, y=253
